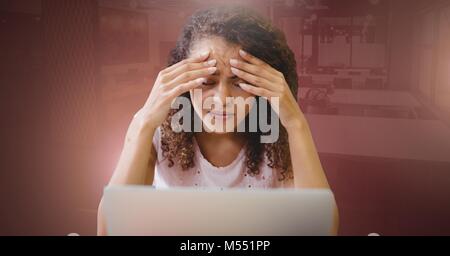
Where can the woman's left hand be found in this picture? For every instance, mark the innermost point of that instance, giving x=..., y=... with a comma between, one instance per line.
x=268, y=82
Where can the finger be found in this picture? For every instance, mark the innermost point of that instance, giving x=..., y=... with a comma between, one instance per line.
x=185, y=87
x=199, y=58
x=191, y=75
x=188, y=67
x=258, y=91
x=250, y=58
x=255, y=70
x=255, y=80
x=254, y=60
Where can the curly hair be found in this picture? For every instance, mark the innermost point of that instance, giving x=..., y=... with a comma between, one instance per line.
x=257, y=36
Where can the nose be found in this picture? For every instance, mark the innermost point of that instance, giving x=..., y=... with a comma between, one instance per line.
x=222, y=91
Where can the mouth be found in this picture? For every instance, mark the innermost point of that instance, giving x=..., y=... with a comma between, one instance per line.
x=221, y=114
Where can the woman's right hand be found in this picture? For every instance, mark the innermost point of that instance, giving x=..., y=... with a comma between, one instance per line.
x=171, y=83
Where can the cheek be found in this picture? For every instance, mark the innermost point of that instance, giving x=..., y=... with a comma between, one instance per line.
x=243, y=94
x=196, y=101
x=247, y=95
x=238, y=92
x=200, y=101
x=247, y=99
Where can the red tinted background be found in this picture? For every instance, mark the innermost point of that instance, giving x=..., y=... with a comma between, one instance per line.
x=73, y=73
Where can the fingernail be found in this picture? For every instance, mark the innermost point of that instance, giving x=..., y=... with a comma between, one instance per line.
x=233, y=62
x=242, y=52
x=204, y=54
x=234, y=70
x=212, y=70
x=200, y=81
x=210, y=63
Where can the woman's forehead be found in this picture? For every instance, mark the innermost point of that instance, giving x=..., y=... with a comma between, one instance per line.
x=221, y=50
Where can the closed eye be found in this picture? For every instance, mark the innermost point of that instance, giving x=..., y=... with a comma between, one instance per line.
x=238, y=82
x=235, y=81
x=209, y=82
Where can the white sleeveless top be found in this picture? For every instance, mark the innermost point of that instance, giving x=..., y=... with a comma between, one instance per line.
x=204, y=174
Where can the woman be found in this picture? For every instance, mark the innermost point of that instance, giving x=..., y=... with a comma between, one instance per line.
x=222, y=53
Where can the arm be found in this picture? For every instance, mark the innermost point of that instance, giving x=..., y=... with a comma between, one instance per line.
x=265, y=81
x=135, y=166
x=138, y=157
x=308, y=171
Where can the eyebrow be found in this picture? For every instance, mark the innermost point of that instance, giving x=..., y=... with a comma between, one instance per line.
x=231, y=77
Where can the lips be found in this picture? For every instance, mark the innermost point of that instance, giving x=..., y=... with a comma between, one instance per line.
x=221, y=114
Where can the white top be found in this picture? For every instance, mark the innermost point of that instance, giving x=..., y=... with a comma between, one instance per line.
x=204, y=174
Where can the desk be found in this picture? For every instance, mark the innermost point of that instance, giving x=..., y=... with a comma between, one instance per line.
x=381, y=137
x=370, y=97
x=358, y=81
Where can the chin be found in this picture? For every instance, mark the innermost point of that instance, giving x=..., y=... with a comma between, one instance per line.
x=222, y=132
x=211, y=128
x=217, y=123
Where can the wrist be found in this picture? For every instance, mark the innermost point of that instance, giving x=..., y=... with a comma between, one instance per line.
x=144, y=124
x=298, y=125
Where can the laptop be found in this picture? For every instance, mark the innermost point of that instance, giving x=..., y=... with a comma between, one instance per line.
x=144, y=210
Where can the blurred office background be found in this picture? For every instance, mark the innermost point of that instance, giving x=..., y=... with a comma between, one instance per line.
x=374, y=81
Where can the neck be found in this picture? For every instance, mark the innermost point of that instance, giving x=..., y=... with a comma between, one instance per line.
x=220, y=149
x=231, y=137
